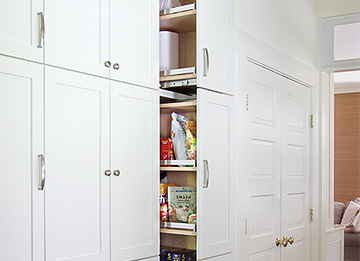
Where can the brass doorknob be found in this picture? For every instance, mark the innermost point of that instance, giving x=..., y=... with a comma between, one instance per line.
x=284, y=242
x=291, y=240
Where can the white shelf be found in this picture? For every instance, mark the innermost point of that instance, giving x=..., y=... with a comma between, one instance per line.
x=177, y=162
x=178, y=168
x=176, y=225
x=180, y=232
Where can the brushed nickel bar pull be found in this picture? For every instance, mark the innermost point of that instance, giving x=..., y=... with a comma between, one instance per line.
x=41, y=32
x=41, y=172
x=206, y=62
x=206, y=174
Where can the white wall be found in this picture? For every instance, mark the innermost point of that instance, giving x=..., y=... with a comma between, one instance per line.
x=287, y=25
x=326, y=8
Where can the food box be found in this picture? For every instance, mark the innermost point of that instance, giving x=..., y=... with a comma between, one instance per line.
x=166, y=149
x=182, y=203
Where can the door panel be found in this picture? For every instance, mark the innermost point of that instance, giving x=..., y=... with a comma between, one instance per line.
x=296, y=168
x=134, y=152
x=77, y=154
x=77, y=35
x=135, y=47
x=214, y=35
x=19, y=29
x=264, y=146
x=21, y=141
x=215, y=128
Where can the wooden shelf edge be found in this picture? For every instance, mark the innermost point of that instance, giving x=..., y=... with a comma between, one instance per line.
x=181, y=232
x=177, y=15
x=178, y=104
x=177, y=77
x=178, y=168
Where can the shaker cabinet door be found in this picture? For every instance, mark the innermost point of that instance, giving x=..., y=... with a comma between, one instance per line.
x=134, y=42
x=215, y=52
x=216, y=174
x=19, y=29
x=77, y=156
x=77, y=35
x=134, y=181
x=21, y=141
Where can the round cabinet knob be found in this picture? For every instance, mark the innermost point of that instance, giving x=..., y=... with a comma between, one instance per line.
x=107, y=172
x=291, y=240
x=117, y=172
x=107, y=64
x=116, y=66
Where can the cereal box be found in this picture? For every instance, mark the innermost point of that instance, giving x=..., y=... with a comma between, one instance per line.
x=182, y=202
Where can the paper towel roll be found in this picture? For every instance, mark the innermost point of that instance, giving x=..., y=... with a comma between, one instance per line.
x=166, y=4
x=169, y=50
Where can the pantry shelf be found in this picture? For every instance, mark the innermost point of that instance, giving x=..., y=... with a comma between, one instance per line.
x=191, y=105
x=181, y=22
x=178, y=168
x=177, y=77
x=178, y=232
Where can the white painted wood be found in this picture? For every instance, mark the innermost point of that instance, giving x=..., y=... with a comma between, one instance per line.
x=77, y=35
x=216, y=35
x=295, y=213
x=216, y=205
x=77, y=154
x=263, y=146
x=135, y=153
x=21, y=141
x=228, y=257
x=19, y=29
x=334, y=244
x=134, y=41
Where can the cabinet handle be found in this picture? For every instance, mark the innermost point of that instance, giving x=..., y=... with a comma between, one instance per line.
x=107, y=64
x=41, y=172
x=206, y=174
x=107, y=172
x=116, y=66
x=117, y=172
x=41, y=29
x=206, y=62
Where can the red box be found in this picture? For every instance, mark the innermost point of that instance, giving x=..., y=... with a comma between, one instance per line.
x=166, y=150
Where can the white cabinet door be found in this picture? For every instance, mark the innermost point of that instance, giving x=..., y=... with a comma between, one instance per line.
x=21, y=141
x=77, y=35
x=296, y=167
x=216, y=174
x=135, y=178
x=215, y=45
x=134, y=41
x=77, y=156
x=19, y=29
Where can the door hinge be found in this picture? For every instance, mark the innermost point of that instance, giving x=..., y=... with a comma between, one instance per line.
x=245, y=226
x=312, y=121
x=311, y=214
x=247, y=102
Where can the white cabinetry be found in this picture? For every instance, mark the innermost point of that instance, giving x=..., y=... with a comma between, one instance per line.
x=94, y=179
x=101, y=37
x=206, y=41
x=21, y=141
x=19, y=29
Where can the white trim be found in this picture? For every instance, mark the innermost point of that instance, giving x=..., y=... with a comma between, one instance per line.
x=346, y=89
x=326, y=29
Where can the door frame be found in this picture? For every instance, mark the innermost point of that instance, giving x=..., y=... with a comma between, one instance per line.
x=247, y=47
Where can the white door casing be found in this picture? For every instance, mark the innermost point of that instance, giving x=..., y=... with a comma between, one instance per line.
x=279, y=166
x=21, y=141
x=77, y=155
x=214, y=45
x=135, y=154
x=134, y=43
x=216, y=205
x=77, y=35
x=19, y=29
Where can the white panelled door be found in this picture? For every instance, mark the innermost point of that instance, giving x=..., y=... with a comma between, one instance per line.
x=135, y=177
x=77, y=35
x=77, y=156
x=21, y=141
x=134, y=43
x=216, y=182
x=19, y=29
x=214, y=50
x=295, y=173
x=263, y=162
x=278, y=166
